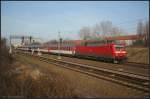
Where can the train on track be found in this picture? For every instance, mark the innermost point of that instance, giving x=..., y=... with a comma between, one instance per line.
x=101, y=50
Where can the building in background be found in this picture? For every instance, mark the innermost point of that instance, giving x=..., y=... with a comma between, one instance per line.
x=128, y=39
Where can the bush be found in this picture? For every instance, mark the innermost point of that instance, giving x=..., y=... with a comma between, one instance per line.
x=139, y=42
x=47, y=84
x=6, y=60
x=51, y=86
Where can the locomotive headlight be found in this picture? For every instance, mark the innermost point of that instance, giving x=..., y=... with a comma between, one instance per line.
x=117, y=53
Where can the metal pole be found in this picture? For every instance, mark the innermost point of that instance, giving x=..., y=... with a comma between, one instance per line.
x=30, y=39
x=10, y=50
x=59, y=57
x=22, y=40
x=9, y=39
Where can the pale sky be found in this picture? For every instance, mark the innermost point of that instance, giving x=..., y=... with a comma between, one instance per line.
x=43, y=19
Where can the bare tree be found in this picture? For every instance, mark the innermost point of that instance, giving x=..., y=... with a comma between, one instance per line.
x=143, y=29
x=116, y=31
x=106, y=27
x=96, y=32
x=99, y=31
x=140, y=28
x=146, y=32
x=85, y=33
x=146, y=29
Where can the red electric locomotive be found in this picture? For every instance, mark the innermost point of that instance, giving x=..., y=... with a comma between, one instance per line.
x=102, y=50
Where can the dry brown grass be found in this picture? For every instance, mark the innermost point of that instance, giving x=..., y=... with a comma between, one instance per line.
x=140, y=55
x=87, y=86
x=17, y=79
x=32, y=83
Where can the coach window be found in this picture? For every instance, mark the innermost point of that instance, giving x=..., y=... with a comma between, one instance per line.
x=65, y=45
x=85, y=44
x=68, y=44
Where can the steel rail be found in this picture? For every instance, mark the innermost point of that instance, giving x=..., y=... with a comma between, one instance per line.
x=139, y=65
x=110, y=69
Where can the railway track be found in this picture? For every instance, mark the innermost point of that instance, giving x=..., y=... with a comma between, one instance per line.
x=127, y=79
x=139, y=70
x=127, y=64
x=117, y=67
x=139, y=65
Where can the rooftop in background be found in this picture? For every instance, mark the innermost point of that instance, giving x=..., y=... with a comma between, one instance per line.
x=128, y=37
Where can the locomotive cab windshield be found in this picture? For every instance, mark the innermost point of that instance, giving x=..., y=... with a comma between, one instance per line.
x=119, y=48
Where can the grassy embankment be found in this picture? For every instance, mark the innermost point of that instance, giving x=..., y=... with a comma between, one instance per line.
x=139, y=55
